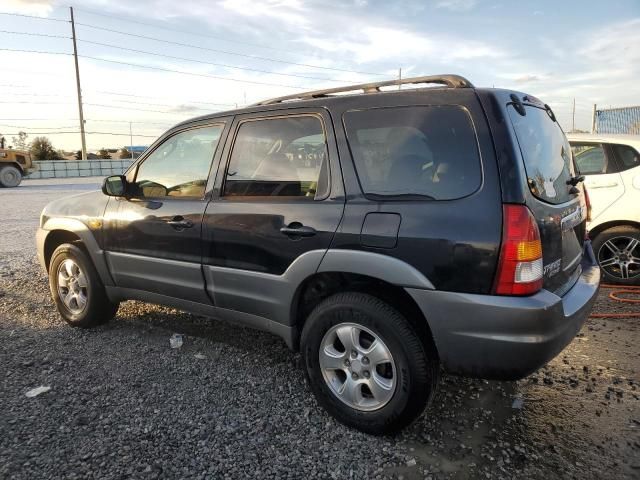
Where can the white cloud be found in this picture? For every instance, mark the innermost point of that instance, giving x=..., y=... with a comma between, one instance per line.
x=457, y=5
x=39, y=8
x=380, y=43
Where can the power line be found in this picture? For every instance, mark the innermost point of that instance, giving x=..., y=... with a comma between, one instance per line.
x=146, y=96
x=101, y=92
x=246, y=55
x=206, y=75
x=216, y=64
x=37, y=128
x=162, y=104
x=91, y=12
x=40, y=95
x=88, y=133
x=21, y=50
x=33, y=16
x=34, y=34
x=229, y=79
x=86, y=119
x=120, y=107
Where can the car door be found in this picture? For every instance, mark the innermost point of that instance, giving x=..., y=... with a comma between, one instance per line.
x=154, y=235
x=278, y=201
x=598, y=164
x=628, y=159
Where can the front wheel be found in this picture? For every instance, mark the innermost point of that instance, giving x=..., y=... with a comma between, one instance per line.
x=365, y=363
x=617, y=250
x=10, y=176
x=77, y=290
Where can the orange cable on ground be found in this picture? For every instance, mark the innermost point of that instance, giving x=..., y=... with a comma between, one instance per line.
x=620, y=290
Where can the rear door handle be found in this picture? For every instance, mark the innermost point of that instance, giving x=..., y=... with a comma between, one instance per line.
x=179, y=223
x=296, y=229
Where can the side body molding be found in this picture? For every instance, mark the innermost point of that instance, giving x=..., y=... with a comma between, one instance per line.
x=86, y=235
x=271, y=296
x=376, y=265
x=258, y=293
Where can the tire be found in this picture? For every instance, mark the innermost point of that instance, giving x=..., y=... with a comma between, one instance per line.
x=69, y=262
x=413, y=370
x=617, y=251
x=10, y=176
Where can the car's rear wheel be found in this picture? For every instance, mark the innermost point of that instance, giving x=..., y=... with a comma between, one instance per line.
x=366, y=364
x=10, y=176
x=618, y=253
x=76, y=288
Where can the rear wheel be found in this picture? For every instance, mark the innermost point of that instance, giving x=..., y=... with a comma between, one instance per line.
x=77, y=290
x=365, y=363
x=618, y=253
x=10, y=176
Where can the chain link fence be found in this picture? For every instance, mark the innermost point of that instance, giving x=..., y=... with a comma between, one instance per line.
x=618, y=120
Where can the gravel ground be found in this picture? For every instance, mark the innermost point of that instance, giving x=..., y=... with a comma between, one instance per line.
x=232, y=402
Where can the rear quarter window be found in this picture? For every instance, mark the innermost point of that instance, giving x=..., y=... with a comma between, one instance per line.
x=546, y=153
x=428, y=152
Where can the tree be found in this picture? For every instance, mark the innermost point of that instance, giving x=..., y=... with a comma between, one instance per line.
x=124, y=153
x=42, y=149
x=103, y=153
x=20, y=142
x=79, y=155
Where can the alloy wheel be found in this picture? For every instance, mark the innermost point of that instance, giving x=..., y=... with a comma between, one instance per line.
x=620, y=257
x=72, y=286
x=357, y=366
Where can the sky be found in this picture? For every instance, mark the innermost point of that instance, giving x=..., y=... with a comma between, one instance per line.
x=148, y=64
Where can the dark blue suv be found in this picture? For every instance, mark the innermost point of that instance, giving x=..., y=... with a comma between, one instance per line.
x=384, y=234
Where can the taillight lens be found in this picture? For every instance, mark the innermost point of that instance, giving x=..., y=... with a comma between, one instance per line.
x=520, y=264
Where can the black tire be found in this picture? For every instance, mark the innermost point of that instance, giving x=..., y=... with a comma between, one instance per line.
x=618, y=237
x=10, y=176
x=98, y=308
x=416, y=364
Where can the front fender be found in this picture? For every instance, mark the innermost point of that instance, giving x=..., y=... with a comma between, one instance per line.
x=86, y=235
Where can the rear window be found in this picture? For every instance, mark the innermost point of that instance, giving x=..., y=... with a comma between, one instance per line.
x=546, y=153
x=426, y=152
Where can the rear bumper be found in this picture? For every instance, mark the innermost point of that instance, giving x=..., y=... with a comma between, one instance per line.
x=498, y=337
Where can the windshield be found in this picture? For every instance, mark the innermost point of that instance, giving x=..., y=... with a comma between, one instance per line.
x=546, y=153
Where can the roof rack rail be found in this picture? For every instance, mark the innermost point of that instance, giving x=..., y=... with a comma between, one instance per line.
x=452, y=81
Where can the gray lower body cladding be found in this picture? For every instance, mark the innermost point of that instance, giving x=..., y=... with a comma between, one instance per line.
x=505, y=337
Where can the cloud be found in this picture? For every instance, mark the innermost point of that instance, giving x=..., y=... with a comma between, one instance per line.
x=40, y=8
x=527, y=79
x=379, y=43
x=457, y=5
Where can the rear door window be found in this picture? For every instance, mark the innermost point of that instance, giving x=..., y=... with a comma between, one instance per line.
x=279, y=157
x=592, y=159
x=627, y=156
x=428, y=152
x=546, y=153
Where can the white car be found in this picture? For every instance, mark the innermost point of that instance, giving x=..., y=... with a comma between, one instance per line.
x=611, y=166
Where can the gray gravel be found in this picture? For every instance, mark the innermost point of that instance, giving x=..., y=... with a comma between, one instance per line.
x=124, y=404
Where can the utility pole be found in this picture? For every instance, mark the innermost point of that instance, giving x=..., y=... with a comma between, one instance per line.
x=593, y=119
x=130, y=141
x=573, y=116
x=400, y=78
x=75, y=59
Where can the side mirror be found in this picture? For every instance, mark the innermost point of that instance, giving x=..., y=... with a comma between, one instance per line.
x=115, y=186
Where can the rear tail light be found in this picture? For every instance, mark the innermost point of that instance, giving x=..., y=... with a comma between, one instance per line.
x=520, y=264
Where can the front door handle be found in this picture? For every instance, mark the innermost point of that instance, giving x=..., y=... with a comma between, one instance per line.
x=296, y=229
x=179, y=223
